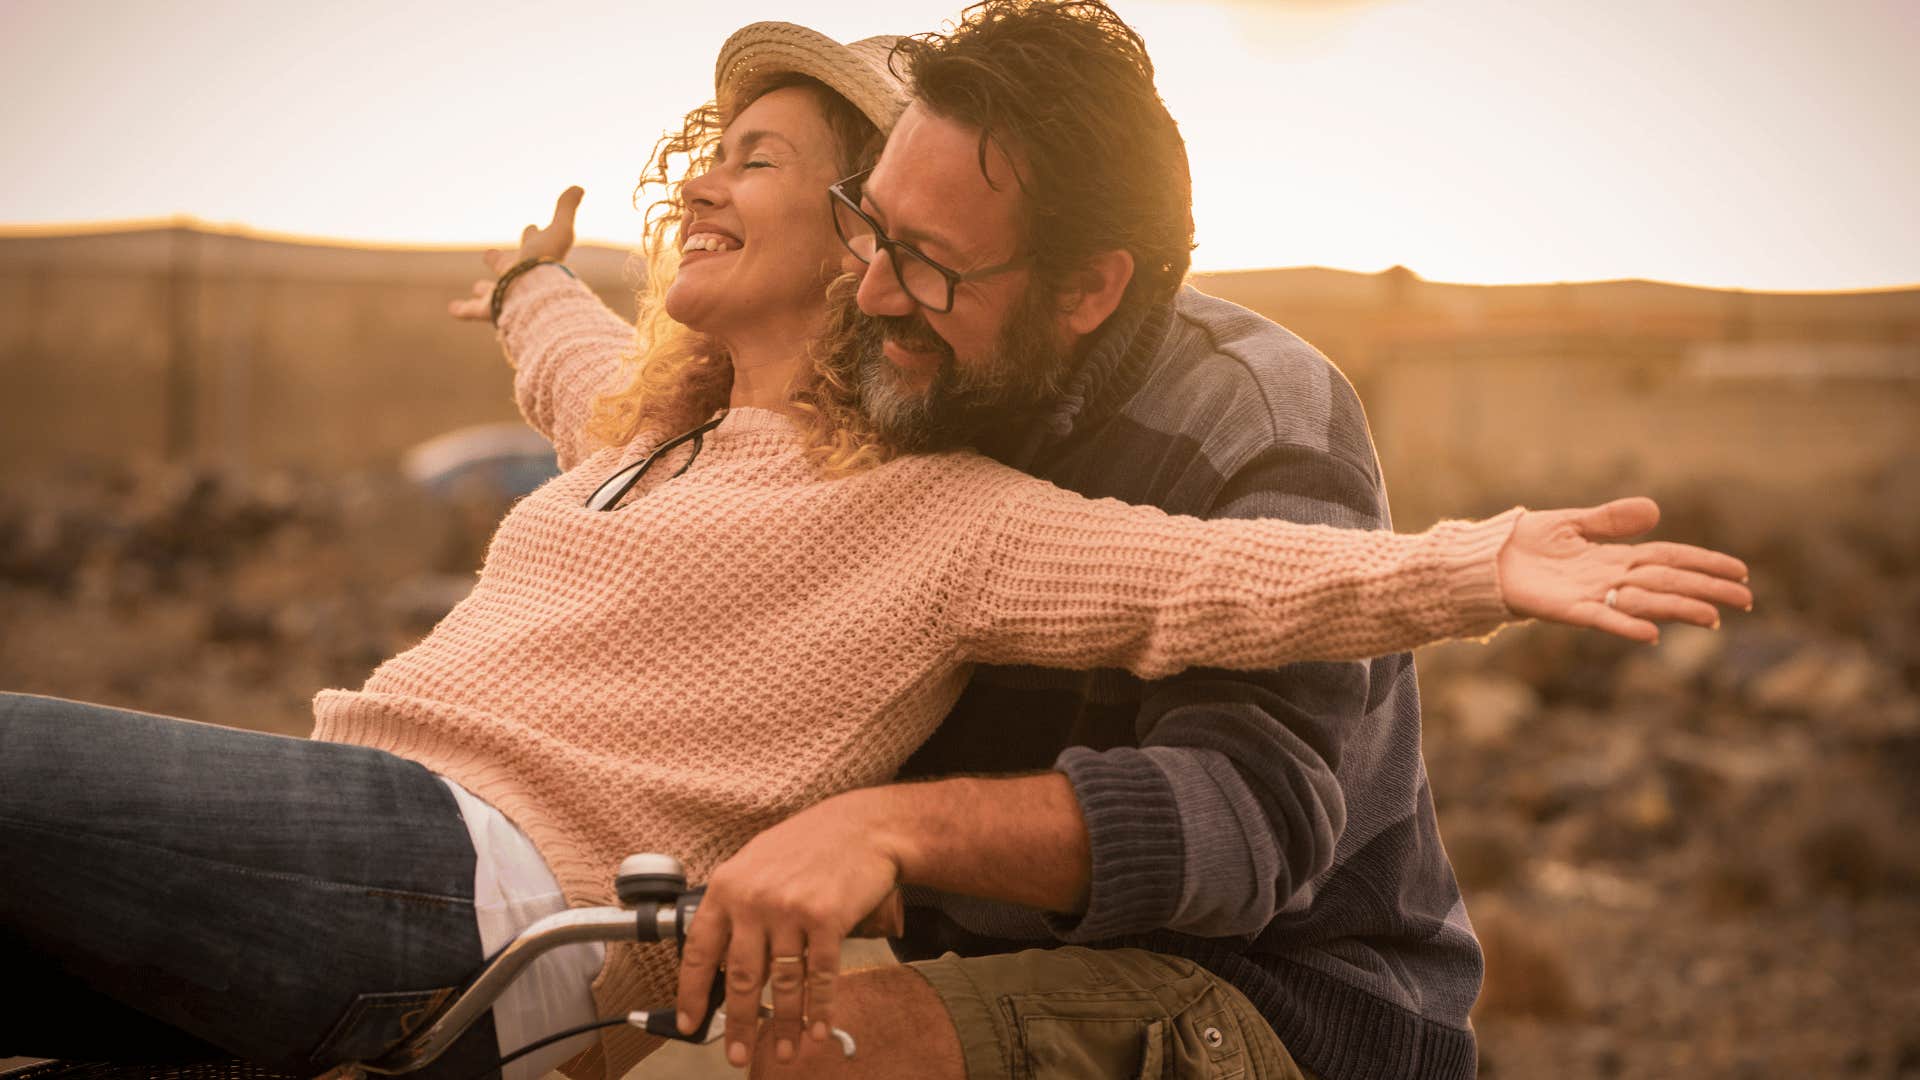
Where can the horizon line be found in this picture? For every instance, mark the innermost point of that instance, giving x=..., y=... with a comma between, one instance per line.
x=19, y=230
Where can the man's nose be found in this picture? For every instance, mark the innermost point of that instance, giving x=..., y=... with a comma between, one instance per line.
x=880, y=292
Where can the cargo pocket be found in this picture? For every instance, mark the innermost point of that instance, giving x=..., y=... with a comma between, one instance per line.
x=1076, y=1047
x=373, y=1023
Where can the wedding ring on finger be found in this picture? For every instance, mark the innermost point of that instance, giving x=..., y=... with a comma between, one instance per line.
x=1613, y=598
x=789, y=959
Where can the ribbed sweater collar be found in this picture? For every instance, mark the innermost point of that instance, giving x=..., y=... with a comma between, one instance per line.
x=1106, y=376
x=750, y=431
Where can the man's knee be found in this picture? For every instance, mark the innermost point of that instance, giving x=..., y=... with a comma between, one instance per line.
x=900, y=1029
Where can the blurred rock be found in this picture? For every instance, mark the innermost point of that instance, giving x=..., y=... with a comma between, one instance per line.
x=1581, y=884
x=1487, y=856
x=1724, y=767
x=230, y=621
x=1486, y=709
x=1632, y=819
x=424, y=599
x=1844, y=858
x=1673, y=670
x=1817, y=680
x=39, y=547
x=1892, y=630
x=1578, y=785
x=1752, y=647
x=1733, y=885
x=1527, y=973
x=1648, y=807
x=1829, y=575
x=1906, y=1061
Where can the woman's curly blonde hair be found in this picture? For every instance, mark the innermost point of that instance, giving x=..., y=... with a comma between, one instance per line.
x=676, y=378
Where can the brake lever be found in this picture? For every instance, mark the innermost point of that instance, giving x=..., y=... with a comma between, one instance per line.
x=664, y=1022
x=643, y=877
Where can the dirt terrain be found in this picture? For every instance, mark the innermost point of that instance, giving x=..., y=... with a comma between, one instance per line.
x=1694, y=860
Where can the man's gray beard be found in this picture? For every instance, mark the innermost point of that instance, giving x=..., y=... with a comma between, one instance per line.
x=960, y=405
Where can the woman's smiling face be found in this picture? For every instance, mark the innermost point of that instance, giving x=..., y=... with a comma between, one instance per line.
x=757, y=238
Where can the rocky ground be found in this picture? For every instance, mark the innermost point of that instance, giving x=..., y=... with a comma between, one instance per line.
x=1693, y=860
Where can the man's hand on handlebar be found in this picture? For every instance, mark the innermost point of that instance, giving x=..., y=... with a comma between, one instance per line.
x=552, y=242
x=776, y=913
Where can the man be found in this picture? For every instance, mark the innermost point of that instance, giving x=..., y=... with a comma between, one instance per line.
x=1252, y=859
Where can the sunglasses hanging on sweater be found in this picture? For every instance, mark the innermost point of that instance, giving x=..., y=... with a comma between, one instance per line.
x=608, y=495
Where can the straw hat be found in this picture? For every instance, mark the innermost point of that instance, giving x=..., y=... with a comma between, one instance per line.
x=762, y=51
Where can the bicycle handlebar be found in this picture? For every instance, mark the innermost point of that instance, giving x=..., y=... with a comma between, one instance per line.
x=657, y=906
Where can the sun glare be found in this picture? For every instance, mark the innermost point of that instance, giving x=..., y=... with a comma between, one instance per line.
x=1722, y=143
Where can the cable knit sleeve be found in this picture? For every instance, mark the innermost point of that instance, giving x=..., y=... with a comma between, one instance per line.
x=566, y=347
x=1063, y=581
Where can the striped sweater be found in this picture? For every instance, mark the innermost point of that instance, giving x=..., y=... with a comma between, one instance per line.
x=1275, y=827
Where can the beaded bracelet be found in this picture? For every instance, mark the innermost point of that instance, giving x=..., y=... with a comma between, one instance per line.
x=514, y=271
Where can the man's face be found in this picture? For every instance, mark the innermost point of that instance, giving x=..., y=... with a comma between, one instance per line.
x=934, y=378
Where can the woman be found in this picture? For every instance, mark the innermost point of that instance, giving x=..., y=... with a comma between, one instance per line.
x=672, y=657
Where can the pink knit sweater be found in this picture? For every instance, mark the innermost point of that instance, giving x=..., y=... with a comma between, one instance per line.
x=744, y=640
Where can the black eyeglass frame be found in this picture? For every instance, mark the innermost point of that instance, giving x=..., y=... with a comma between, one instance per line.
x=623, y=481
x=837, y=197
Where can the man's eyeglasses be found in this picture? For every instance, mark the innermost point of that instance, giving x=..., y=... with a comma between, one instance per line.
x=930, y=284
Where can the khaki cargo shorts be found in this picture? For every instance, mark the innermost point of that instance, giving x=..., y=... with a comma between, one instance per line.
x=1105, y=1013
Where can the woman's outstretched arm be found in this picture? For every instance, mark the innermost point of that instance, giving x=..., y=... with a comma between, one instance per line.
x=564, y=344
x=1064, y=581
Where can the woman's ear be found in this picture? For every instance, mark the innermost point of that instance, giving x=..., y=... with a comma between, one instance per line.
x=1095, y=291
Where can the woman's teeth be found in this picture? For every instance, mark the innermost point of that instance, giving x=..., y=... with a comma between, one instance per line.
x=708, y=242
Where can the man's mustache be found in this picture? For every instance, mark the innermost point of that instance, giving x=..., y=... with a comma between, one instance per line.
x=911, y=332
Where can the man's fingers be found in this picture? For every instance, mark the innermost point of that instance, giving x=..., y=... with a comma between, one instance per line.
x=1619, y=519
x=823, y=970
x=700, y=953
x=1691, y=583
x=746, y=973
x=498, y=261
x=787, y=977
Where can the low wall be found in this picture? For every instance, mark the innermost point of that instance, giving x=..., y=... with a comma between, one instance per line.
x=229, y=349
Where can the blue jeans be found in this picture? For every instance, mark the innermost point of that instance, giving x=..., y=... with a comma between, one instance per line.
x=173, y=891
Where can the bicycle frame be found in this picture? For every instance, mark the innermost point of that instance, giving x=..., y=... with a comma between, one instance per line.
x=561, y=928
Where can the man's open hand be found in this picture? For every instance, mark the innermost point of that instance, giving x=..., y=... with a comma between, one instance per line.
x=776, y=914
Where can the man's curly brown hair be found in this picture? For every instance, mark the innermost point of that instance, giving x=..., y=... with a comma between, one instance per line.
x=1066, y=89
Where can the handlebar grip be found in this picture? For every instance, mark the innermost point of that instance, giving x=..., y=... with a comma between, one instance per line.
x=684, y=908
x=657, y=920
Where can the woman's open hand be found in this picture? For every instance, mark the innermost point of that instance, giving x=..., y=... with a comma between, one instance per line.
x=552, y=242
x=1560, y=565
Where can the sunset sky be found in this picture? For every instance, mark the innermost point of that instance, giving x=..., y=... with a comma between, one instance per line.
x=1769, y=144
